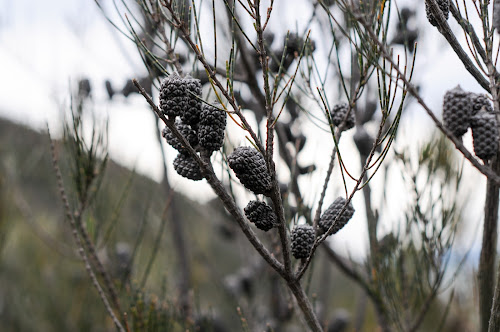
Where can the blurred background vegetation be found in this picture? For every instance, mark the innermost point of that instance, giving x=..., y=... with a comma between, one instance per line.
x=44, y=286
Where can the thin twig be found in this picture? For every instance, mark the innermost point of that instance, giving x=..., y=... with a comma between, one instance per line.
x=74, y=229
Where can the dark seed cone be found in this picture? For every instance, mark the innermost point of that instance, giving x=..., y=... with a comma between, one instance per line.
x=496, y=15
x=187, y=167
x=186, y=131
x=329, y=216
x=363, y=141
x=444, y=5
x=173, y=96
x=479, y=101
x=302, y=238
x=191, y=113
x=261, y=214
x=211, y=128
x=250, y=167
x=485, y=135
x=457, y=110
x=339, y=112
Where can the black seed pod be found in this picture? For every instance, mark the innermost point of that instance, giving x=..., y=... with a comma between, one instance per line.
x=444, y=5
x=173, y=96
x=339, y=112
x=211, y=128
x=186, y=131
x=479, y=101
x=261, y=214
x=191, y=113
x=187, y=167
x=250, y=167
x=329, y=216
x=302, y=241
x=485, y=135
x=457, y=110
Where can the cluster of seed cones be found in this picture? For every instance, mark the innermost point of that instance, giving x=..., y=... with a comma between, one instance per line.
x=201, y=125
x=333, y=219
x=463, y=110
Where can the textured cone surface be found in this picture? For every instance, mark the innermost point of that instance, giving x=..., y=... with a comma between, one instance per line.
x=173, y=96
x=329, y=216
x=457, y=110
x=250, y=168
x=211, y=128
x=302, y=241
x=187, y=167
x=480, y=101
x=485, y=135
x=339, y=112
x=261, y=214
x=186, y=131
x=444, y=5
x=191, y=113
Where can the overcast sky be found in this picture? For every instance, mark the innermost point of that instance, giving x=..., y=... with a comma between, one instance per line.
x=46, y=46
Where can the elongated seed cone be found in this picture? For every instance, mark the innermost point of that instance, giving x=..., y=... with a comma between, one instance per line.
x=457, y=110
x=485, y=135
x=480, y=101
x=173, y=96
x=261, y=214
x=191, y=113
x=187, y=167
x=250, y=167
x=339, y=112
x=329, y=216
x=444, y=5
x=186, y=131
x=211, y=128
x=302, y=238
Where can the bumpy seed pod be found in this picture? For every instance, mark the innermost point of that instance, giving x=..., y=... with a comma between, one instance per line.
x=173, y=95
x=329, y=216
x=261, y=214
x=250, y=167
x=479, y=101
x=186, y=131
x=485, y=135
x=457, y=110
x=339, y=112
x=187, y=167
x=211, y=128
x=444, y=5
x=191, y=113
x=302, y=241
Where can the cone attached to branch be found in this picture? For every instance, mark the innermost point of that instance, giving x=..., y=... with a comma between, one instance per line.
x=302, y=238
x=261, y=214
x=186, y=131
x=187, y=167
x=485, y=135
x=457, y=110
x=191, y=113
x=444, y=6
x=339, y=113
x=211, y=128
x=173, y=96
x=330, y=215
x=250, y=167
